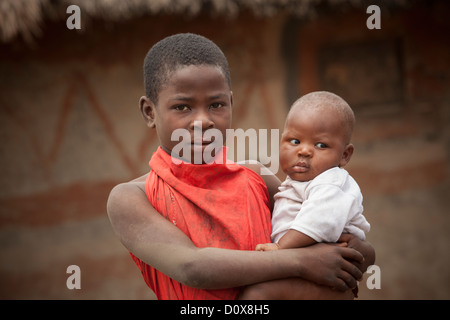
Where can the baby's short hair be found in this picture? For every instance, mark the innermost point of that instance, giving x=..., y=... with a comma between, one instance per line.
x=176, y=51
x=315, y=100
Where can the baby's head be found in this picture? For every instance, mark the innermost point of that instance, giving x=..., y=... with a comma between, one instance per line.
x=316, y=136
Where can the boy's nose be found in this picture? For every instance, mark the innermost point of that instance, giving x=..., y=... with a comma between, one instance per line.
x=202, y=121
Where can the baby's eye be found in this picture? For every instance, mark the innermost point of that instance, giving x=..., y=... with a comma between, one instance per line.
x=294, y=141
x=321, y=145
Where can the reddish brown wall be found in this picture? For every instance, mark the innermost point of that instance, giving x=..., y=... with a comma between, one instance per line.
x=71, y=130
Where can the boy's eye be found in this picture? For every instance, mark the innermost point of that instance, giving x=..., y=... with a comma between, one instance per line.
x=294, y=141
x=181, y=107
x=216, y=105
x=321, y=145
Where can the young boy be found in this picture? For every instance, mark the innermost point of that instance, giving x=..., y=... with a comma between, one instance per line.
x=191, y=228
x=319, y=200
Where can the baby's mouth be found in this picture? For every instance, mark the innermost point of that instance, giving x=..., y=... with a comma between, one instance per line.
x=301, y=166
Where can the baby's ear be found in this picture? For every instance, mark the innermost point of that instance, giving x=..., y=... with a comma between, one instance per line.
x=147, y=108
x=347, y=154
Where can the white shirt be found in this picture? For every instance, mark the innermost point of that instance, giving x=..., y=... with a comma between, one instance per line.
x=323, y=208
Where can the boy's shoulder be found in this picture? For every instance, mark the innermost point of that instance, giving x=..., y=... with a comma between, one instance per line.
x=137, y=184
x=139, y=179
x=121, y=195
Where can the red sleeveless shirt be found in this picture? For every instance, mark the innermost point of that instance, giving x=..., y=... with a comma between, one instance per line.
x=215, y=205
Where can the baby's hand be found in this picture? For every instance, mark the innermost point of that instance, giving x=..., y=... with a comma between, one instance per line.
x=267, y=247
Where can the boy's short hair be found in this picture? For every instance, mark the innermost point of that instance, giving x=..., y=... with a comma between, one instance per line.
x=176, y=51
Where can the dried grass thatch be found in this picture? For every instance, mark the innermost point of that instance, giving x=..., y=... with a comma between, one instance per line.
x=24, y=17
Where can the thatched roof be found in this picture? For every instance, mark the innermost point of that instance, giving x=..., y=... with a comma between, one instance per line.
x=24, y=17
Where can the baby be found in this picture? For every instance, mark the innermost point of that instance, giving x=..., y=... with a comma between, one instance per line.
x=319, y=200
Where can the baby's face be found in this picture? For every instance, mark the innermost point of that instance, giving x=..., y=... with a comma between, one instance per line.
x=313, y=142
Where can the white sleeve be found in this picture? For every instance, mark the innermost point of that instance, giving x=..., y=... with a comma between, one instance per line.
x=326, y=212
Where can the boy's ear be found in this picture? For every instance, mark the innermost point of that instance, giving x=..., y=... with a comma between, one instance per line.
x=348, y=151
x=231, y=97
x=147, y=108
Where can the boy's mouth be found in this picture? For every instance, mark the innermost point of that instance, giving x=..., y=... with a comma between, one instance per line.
x=200, y=145
x=201, y=142
x=198, y=142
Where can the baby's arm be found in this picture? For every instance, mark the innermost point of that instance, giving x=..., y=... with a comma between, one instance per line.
x=295, y=239
x=291, y=239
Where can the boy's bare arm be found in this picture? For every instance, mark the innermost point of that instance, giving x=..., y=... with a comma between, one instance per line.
x=160, y=244
x=293, y=289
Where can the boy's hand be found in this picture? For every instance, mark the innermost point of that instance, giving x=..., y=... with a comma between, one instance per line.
x=267, y=247
x=330, y=265
x=361, y=246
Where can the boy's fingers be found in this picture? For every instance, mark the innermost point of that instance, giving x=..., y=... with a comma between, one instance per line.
x=352, y=270
x=345, y=237
x=349, y=280
x=352, y=254
x=342, y=285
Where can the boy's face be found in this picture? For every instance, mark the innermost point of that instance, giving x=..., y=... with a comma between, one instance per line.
x=193, y=93
x=313, y=142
